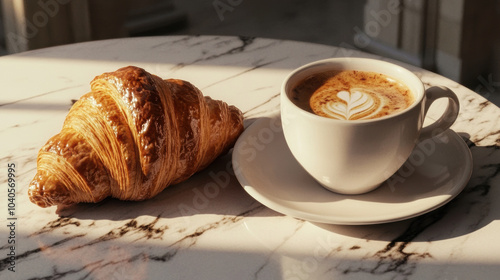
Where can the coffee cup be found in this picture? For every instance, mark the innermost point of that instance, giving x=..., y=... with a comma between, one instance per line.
x=355, y=156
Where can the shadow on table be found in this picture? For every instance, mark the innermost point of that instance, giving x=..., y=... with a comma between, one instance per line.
x=217, y=191
x=476, y=207
x=120, y=258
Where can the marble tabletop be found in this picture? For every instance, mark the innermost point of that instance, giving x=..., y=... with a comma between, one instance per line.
x=183, y=233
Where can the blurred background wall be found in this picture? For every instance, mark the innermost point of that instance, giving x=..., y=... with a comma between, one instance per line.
x=459, y=39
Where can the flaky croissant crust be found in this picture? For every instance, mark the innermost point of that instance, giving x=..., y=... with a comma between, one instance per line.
x=130, y=137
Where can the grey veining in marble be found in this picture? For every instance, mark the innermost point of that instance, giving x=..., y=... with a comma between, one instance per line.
x=208, y=227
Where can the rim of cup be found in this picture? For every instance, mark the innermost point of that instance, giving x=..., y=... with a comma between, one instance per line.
x=389, y=69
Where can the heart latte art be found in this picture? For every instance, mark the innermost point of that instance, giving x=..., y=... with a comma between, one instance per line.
x=353, y=104
x=352, y=95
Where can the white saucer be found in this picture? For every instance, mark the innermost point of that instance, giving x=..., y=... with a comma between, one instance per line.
x=436, y=172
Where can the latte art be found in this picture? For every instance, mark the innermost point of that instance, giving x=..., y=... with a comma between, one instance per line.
x=353, y=104
x=352, y=95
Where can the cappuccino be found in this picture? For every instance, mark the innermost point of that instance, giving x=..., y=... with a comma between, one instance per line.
x=351, y=95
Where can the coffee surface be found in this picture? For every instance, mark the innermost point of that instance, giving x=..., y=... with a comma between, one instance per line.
x=351, y=95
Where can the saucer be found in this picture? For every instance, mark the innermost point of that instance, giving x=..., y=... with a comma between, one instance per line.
x=437, y=171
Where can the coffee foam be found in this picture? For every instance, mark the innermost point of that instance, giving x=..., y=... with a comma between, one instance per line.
x=352, y=95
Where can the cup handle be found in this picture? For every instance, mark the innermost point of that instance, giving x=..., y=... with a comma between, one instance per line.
x=449, y=116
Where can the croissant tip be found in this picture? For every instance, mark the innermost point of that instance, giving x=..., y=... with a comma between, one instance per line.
x=38, y=199
x=46, y=193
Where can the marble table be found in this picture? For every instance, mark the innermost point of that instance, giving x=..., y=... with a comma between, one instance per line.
x=182, y=233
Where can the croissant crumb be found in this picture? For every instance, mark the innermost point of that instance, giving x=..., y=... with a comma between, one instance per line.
x=130, y=137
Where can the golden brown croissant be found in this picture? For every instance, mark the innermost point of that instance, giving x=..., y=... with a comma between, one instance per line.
x=132, y=136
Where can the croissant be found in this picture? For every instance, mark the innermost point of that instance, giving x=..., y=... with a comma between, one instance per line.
x=130, y=137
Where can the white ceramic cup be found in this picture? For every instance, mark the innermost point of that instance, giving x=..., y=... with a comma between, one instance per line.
x=355, y=157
